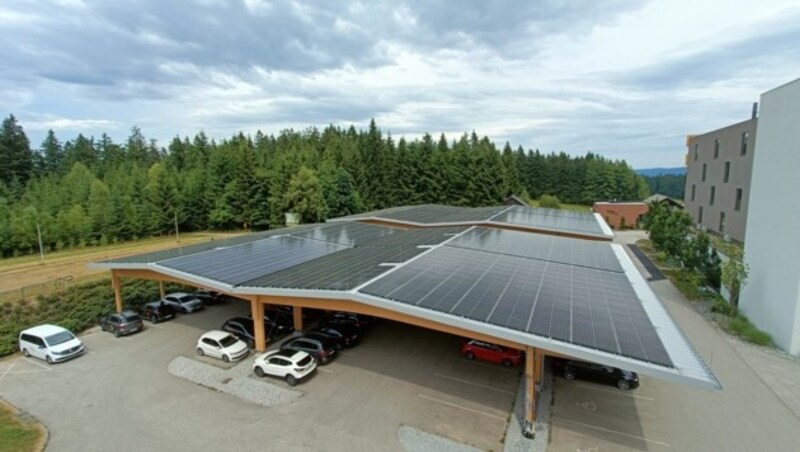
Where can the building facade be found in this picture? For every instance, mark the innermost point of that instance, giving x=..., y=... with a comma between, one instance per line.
x=718, y=172
x=771, y=296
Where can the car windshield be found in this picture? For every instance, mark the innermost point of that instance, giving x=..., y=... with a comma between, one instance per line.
x=59, y=338
x=186, y=298
x=227, y=341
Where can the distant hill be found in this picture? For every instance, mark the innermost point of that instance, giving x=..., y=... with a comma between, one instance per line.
x=679, y=171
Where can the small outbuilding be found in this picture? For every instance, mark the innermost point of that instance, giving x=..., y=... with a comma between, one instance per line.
x=621, y=215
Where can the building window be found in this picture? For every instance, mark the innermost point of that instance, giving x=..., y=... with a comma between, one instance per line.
x=738, y=205
x=727, y=175
x=700, y=214
x=696, y=151
x=716, y=148
x=745, y=139
x=721, y=222
x=703, y=179
x=694, y=187
x=712, y=195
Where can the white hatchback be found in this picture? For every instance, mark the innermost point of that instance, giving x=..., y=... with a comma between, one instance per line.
x=290, y=365
x=219, y=344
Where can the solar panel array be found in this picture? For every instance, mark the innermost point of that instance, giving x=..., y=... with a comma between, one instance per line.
x=205, y=246
x=433, y=213
x=239, y=263
x=584, y=305
x=351, y=234
x=554, y=219
x=584, y=253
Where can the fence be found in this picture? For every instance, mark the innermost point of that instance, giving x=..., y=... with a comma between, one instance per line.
x=53, y=286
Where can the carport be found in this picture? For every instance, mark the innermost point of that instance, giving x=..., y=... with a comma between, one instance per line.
x=545, y=281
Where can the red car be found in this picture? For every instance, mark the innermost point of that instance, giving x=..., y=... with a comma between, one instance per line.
x=474, y=349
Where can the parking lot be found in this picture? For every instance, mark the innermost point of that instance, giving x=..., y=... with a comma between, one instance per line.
x=120, y=394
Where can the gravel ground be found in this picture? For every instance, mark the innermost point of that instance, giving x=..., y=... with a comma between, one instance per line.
x=415, y=440
x=236, y=381
x=514, y=441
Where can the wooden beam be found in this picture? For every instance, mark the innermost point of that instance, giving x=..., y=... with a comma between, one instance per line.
x=155, y=276
x=530, y=389
x=297, y=313
x=161, y=291
x=257, y=310
x=538, y=363
x=361, y=308
x=117, y=285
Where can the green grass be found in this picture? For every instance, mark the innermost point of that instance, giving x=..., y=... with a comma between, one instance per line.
x=572, y=207
x=17, y=435
x=741, y=326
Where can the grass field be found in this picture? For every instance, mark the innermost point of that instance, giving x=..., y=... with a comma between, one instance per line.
x=572, y=207
x=18, y=434
x=31, y=273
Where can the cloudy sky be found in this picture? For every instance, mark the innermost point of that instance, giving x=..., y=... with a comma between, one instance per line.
x=626, y=79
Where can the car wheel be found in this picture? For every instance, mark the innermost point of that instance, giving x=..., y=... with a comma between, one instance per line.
x=226, y=358
x=259, y=372
x=290, y=380
x=569, y=374
x=48, y=359
x=469, y=355
x=623, y=384
x=116, y=332
x=153, y=318
x=26, y=353
x=200, y=351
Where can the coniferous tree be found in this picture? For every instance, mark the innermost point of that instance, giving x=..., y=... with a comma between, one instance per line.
x=16, y=158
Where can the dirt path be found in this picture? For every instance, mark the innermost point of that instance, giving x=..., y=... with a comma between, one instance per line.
x=28, y=271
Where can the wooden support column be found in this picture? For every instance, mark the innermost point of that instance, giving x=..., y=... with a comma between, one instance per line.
x=117, y=285
x=257, y=309
x=538, y=364
x=297, y=313
x=530, y=391
x=161, y=289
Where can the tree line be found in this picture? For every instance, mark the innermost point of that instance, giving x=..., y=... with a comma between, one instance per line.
x=671, y=185
x=93, y=190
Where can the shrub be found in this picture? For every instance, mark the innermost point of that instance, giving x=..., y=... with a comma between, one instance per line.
x=723, y=307
x=550, y=202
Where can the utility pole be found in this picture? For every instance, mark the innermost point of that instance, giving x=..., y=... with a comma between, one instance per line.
x=177, y=234
x=41, y=249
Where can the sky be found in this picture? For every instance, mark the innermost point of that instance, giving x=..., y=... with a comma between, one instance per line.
x=624, y=79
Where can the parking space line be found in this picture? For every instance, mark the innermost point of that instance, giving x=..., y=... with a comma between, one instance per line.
x=611, y=391
x=602, y=429
x=8, y=369
x=474, y=384
x=454, y=405
x=31, y=361
x=323, y=370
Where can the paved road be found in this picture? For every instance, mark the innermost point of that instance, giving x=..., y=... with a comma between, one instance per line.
x=747, y=415
x=121, y=397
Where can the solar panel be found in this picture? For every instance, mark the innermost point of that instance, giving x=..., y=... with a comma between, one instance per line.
x=351, y=233
x=237, y=264
x=551, y=219
x=584, y=253
x=569, y=303
x=434, y=213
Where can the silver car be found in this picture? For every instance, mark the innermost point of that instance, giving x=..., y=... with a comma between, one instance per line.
x=184, y=302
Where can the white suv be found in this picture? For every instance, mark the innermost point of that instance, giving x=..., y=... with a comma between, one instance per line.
x=50, y=343
x=288, y=364
x=219, y=344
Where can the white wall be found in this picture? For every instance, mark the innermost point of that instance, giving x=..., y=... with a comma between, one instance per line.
x=771, y=298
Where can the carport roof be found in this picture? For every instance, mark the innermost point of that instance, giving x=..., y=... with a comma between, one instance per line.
x=580, y=298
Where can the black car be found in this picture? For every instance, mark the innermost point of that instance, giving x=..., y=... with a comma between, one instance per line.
x=322, y=348
x=622, y=379
x=157, y=311
x=126, y=322
x=346, y=318
x=347, y=334
x=244, y=329
x=278, y=322
x=209, y=297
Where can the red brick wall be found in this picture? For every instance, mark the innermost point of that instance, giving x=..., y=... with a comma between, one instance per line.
x=614, y=213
